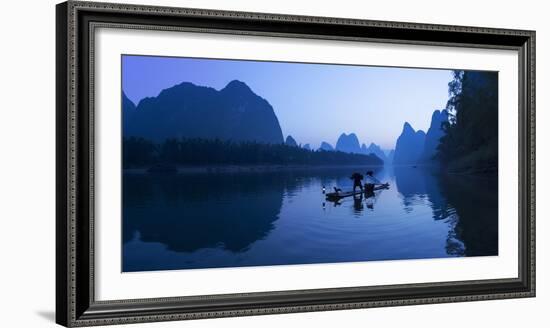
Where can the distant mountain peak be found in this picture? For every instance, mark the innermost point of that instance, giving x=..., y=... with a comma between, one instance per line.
x=237, y=86
x=178, y=91
x=126, y=102
x=439, y=116
x=290, y=141
x=183, y=86
x=435, y=132
x=409, y=145
x=374, y=149
x=348, y=143
x=187, y=110
x=326, y=146
x=346, y=135
x=407, y=127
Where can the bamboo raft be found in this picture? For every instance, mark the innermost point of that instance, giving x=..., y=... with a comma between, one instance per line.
x=343, y=194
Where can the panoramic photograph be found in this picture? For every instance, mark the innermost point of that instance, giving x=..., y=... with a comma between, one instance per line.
x=239, y=163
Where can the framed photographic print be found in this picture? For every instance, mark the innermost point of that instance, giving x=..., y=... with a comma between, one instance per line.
x=214, y=163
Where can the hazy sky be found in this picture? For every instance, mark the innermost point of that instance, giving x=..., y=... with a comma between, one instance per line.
x=313, y=102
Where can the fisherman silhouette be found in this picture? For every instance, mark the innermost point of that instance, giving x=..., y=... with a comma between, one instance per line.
x=371, y=182
x=357, y=177
x=371, y=179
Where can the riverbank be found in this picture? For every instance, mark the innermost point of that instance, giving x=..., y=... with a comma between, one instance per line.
x=252, y=168
x=488, y=171
x=215, y=169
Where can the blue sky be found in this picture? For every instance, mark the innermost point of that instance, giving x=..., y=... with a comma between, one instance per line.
x=313, y=102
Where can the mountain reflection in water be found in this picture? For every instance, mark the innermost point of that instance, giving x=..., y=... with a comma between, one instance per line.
x=232, y=219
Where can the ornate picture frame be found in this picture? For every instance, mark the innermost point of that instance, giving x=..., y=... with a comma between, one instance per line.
x=76, y=302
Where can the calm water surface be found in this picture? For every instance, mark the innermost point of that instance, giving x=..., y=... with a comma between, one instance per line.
x=207, y=220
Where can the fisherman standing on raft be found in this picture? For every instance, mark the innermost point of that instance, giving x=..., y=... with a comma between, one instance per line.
x=371, y=182
x=357, y=177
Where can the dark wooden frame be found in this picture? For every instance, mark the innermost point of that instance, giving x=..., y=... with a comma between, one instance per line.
x=75, y=302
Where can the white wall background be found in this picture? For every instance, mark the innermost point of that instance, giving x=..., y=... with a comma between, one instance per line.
x=27, y=148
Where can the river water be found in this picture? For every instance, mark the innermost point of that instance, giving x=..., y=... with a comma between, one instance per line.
x=277, y=217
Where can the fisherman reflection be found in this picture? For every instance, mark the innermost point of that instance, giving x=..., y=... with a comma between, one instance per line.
x=358, y=203
x=370, y=196
x=370, y=202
